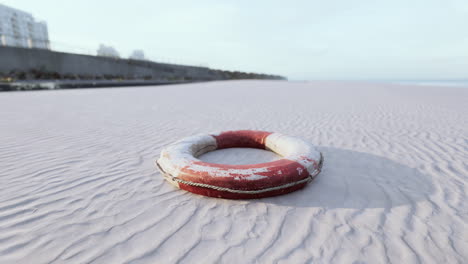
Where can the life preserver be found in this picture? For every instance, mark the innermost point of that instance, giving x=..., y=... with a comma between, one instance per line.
x=301, y=162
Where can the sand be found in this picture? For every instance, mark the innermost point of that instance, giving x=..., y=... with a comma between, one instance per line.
x=78, y=182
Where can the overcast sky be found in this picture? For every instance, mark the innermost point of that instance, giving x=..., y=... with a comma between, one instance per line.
x=310, y=39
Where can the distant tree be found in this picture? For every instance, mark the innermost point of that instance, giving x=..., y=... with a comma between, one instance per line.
x=107, y=51
x=137, y=55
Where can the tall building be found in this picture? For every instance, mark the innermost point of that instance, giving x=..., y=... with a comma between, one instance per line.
x=20, y=29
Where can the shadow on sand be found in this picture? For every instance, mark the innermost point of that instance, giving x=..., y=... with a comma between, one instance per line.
x=352, y=179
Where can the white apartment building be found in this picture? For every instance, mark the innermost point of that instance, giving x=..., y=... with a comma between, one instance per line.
x=20, y=29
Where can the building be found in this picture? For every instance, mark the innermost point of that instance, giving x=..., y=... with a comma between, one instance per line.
x=20, y=29
x=137, y=55
x=107, y=51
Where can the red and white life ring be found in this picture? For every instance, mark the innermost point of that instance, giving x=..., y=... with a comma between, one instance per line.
x=301, y=162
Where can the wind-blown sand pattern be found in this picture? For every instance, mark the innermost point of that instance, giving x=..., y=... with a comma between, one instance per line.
x=78, y=182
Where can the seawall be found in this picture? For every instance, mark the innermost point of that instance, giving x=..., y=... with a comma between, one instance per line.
x=38, y=64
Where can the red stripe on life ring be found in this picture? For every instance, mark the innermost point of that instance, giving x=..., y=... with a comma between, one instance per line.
x=245, y=177
x=236, y=196
x=241, y=139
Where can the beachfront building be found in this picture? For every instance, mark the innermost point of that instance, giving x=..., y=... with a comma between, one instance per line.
x=137, y=55
x=107, y=51
x=20, y=29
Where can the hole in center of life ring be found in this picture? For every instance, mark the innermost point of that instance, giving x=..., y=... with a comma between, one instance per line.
x=239, y=156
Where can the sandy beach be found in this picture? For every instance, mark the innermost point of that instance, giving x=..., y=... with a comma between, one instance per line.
x=78, y=183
